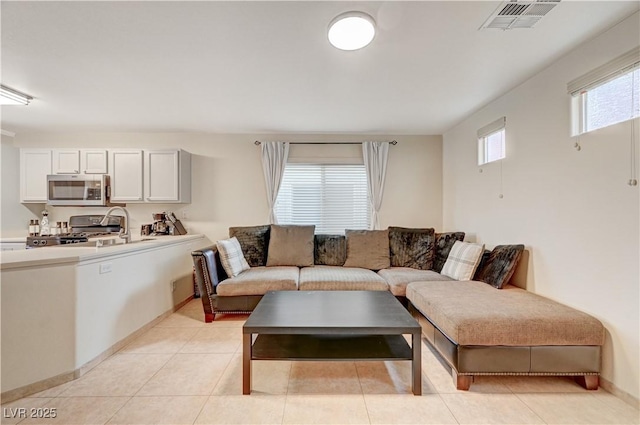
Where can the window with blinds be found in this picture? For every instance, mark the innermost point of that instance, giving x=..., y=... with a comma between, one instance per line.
x=491, y=142
x=607, y=95
x=333, y=197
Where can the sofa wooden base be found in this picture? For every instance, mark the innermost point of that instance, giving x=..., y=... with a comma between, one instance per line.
x=581, y=362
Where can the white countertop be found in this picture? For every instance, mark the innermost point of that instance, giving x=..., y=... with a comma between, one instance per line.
x=63, y=254
x=22, y=239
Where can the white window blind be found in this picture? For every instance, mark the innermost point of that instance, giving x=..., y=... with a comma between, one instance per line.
x=333, y=197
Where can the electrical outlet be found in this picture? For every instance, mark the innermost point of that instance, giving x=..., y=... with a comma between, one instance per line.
x=106, y=268
x=173, y=286
x=184, y=215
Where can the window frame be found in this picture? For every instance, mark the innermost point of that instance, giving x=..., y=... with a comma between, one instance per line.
x=579, y=88
x=496, y=127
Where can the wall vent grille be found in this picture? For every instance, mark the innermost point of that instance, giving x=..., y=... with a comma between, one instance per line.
x=519, y=14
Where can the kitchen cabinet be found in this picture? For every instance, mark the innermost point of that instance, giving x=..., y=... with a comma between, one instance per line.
x=167, y=176
x=125, y=169
x=80, y=161
x=35, y=164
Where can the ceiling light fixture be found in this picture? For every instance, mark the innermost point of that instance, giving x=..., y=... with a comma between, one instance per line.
x=351, y=30
x=12, y=97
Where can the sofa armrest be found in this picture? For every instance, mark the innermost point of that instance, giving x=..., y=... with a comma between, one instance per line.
x=209, y=273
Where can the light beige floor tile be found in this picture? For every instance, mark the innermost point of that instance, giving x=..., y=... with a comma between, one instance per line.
x=161, y=340
x=81, y=410
x=267, y=377
x=239, y=409
x=574, y=409
x=214, y=340
x=324, y=378
x=119, y=375
x=229, y=320
x=54, y=391
x=391, y=377
x=325, y=409
x=408, y=409
x=184, y=319
x=542, y=384
x=160, y=410
x=187, y=374
x=18, y=410
x=475, y=408
x=615, y=403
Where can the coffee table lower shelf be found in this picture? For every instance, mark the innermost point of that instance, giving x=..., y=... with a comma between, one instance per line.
x=330, y=347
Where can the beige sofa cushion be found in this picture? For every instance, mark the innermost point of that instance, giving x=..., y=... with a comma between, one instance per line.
x=474, y=313
x=399, y=277
x=260, y=280
x=290, y=246
x=368, y=249
x=336, y=278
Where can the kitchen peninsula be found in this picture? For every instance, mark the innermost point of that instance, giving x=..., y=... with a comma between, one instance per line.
x=66, y=308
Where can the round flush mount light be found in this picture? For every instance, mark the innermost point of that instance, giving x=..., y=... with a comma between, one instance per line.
x=351, y=30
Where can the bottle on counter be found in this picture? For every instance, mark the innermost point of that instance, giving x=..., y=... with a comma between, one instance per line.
x=37, y=227
x=32, y=227
x=45, y=230
x=65, y=228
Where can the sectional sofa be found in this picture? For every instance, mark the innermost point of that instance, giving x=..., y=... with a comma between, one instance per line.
x=483, y=326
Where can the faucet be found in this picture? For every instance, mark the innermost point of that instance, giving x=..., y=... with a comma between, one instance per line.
x=124, y=234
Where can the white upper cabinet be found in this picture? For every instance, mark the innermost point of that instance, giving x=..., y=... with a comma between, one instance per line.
x=167, y=176
x=125, y=168
x=80, y=161
x=35, y=164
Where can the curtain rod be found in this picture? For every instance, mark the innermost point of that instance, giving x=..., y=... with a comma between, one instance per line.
x=393, y=142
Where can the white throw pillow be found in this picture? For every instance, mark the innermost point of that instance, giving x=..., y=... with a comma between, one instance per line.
x=463, y=260
x=231, y=257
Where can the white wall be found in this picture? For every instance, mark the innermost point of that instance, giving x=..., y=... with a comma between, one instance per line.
x=14, y=218
x=572, y=209
x=228, y=184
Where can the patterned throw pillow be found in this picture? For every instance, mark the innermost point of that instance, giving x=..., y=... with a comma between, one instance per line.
x=231, y=257
x=411, y=247
x=444, y=242
x=463, y=260
x=500, y=265
x=254, y=241
x=330, y=250
x=367, y=249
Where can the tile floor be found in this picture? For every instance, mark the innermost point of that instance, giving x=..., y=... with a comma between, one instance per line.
x=185, y=371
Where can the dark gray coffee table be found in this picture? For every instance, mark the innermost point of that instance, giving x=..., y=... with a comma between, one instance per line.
x=330, y=326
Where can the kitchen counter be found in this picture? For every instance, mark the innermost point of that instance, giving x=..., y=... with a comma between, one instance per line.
x=62, y=254
x=65, y=308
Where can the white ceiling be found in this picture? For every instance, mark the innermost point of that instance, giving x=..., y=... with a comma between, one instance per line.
x=267, y=67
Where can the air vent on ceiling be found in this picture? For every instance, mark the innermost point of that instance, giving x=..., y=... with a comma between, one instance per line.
x=519, y=14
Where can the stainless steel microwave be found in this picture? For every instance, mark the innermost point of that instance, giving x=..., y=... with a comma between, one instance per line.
x=88, y=190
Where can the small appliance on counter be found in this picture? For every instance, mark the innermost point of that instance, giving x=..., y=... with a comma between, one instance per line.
x=79, y=229
x=164, y=223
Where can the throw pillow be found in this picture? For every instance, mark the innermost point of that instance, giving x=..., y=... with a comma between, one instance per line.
x=483, y=261
x=463, y=260
x=330, y=250
x=231, y=257
x=500, y=265
x=291, y=246
x=411, y=247
x=367, y=249
x=254, y=241
x=444, y=242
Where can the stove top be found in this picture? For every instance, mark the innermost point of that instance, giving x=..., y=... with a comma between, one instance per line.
x=68, y=238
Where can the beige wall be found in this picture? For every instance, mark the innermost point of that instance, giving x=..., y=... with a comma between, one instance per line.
x=573, y=209
x=13, y=216
x=228, y=184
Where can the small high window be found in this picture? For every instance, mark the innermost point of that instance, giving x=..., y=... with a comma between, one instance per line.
x=491, y=142
x=607, y=95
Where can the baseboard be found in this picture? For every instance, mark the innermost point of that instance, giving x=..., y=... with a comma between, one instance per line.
x=45, y=384
x=622, y=395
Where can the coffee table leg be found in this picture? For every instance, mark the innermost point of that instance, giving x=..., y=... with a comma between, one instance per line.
x=416, y=369
x=246, y=363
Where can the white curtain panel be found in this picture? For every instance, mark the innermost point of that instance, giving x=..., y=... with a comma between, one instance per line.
x=375, y=156
x=274, y=159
